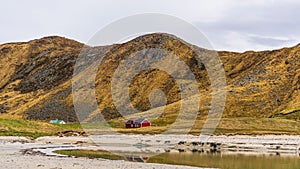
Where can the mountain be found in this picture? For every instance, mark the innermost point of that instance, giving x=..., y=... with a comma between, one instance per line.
x=35, y=79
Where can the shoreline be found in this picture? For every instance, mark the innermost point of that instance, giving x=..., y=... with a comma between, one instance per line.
x=41, y=155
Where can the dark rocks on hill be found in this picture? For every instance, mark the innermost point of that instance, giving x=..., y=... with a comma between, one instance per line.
x=3, y=109
x=54, y=108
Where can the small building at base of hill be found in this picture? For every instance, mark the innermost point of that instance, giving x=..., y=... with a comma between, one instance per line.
x=137, y=123
x=57, y=122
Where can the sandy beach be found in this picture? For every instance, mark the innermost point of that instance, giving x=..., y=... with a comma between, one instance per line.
x=12, y=156
x=17, y=161
x=22, y=152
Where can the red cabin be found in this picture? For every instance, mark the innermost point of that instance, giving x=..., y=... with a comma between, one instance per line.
x=137, y=123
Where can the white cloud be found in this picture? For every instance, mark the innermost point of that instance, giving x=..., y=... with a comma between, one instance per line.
x=229, y=24
x=240, y=42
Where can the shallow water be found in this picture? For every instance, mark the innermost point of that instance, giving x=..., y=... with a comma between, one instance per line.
x=229, y=160
x=222, y=160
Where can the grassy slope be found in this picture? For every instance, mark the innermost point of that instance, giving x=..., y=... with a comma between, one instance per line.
x=284, y=124
x=34, y=129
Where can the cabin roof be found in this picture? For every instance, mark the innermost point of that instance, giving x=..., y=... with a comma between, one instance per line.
x=137, y=120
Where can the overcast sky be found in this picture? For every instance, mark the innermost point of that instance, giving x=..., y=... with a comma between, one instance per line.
x=235, y=25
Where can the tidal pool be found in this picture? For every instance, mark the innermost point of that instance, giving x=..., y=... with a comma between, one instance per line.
x=229, y=160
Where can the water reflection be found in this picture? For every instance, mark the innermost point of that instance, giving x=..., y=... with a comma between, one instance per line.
x=223, y=160
x=142, y=159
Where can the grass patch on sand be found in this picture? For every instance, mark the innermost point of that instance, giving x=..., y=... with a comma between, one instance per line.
x=91, y=154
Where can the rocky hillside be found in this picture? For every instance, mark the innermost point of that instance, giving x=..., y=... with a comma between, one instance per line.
x=35, y=78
